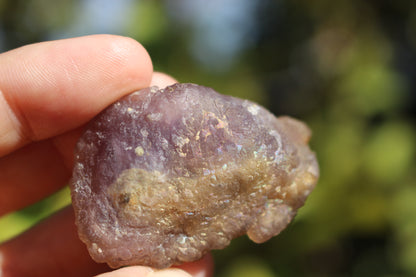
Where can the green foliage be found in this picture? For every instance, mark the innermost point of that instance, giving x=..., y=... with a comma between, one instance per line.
x=18, y=222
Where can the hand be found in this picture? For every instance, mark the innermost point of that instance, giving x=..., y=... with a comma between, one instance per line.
x=48, y=91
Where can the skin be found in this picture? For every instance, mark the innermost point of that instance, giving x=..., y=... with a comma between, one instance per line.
x=48, y=92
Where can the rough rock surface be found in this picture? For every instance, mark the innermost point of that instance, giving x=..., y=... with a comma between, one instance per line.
x=163, y=176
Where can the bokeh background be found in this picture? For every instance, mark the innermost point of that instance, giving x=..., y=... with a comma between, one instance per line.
x=346, y=67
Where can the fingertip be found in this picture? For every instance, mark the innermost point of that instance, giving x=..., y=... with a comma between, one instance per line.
x=143, y=271
x=169, y=272
x=201, y=268
x=136, y=271
x=162, y=80
x=131, y=57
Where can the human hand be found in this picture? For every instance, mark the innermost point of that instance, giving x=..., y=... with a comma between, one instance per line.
x=48, y=91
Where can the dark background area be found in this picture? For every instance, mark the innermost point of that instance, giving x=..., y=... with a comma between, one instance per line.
x=346, y=67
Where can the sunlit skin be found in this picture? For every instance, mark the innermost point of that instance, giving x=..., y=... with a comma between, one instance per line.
x=48, y=92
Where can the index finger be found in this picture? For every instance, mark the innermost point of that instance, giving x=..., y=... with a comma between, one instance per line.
x=49, y=88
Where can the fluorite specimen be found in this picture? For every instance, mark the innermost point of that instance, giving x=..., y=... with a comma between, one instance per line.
x=164, y=175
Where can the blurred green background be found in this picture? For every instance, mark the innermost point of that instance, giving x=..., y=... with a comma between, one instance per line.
x=346, y=67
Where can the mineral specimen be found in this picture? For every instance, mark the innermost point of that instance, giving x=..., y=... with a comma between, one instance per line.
x=164, y=175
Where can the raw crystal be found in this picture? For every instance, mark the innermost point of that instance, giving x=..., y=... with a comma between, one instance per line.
x=164, y=175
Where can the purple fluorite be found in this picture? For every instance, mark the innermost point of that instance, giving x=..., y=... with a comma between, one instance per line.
x=164, y=175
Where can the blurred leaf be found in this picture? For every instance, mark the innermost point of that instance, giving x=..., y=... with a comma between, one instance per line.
x=368, y=211
x=15, y=223
x=371, y=89
x=48, y=14
x=403, y=215
x=339, y=149
x=243, y=86
x=389, y=153
x=146, y=21
x=248, y=267
x=2, y=5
